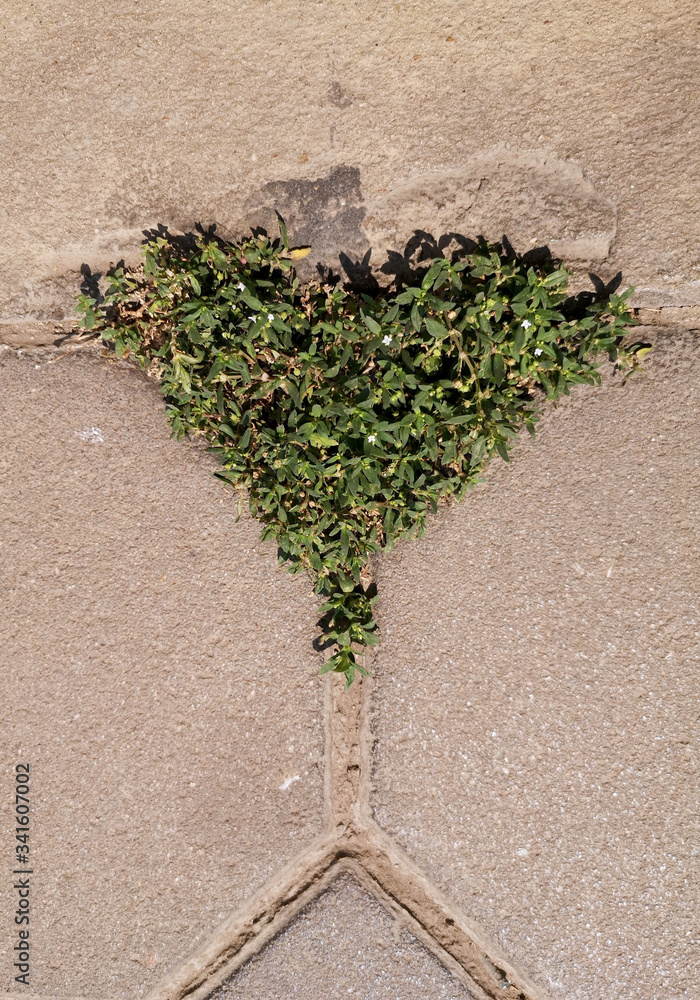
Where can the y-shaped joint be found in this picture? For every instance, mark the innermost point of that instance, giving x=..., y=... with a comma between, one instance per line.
x=353, y=842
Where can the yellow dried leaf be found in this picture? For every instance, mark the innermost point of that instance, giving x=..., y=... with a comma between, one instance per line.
x=298, y=252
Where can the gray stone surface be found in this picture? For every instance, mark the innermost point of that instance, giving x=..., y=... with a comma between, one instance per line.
x=575, y=125
x=345, y=944
x=537, y=692
x=157, y=673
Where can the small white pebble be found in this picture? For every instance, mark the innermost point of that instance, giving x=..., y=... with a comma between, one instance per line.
x=93, y=435
x=285, y=784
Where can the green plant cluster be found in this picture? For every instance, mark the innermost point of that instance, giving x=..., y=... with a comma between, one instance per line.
x=348, y=417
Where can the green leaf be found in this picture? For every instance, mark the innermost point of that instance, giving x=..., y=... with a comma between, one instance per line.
x=502, y=450
x=555, y=278
x=433, y=271
x=498, y=367
x=322, y=441
x=436, y=329
x=464, y=418
x=251, y=300
x=518, y=341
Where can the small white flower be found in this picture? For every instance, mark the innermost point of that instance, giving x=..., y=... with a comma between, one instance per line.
x=252, y=318
x=240, y=286
x=387, y=340
x=270, y=317
x=372, y=438
x=526, y=324
x=538, y=351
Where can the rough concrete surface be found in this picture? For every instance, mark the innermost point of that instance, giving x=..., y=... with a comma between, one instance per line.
x=536, y=699
x=344, y=945
x=572, y=125
x=536, y=695
x=157, y=674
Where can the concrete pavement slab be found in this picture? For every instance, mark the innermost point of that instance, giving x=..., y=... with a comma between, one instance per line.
x=575, y=126
x=344, y=945
x=537, y=691
x=157, y=676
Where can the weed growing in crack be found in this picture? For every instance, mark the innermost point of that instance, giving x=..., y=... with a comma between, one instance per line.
x=349, y=417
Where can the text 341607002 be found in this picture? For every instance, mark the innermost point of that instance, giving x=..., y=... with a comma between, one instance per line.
x=22, y=873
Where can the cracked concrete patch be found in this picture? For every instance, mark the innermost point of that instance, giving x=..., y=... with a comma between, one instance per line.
x=325, y=213
x=148, y=642
x=344, y=944
x=537, y=692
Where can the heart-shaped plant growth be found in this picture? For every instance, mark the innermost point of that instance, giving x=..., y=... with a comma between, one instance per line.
x=347, y=417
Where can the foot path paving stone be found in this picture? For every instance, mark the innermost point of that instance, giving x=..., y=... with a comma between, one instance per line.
x=574, y=126
x=344, y=945
x=155, y=674
x=205, y=810
x=536, y=704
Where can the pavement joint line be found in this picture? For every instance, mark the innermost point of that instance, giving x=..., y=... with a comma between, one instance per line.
x=353, y=843
x=250, y=928
x=26, y=333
